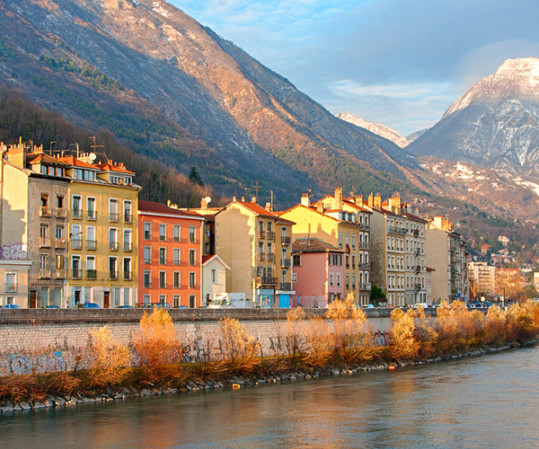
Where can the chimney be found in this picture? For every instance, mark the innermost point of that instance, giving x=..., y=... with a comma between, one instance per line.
x=370, y=200
x=305, y=200
x=395, y=203
x=359, y=200
x=338, y=198
x=234, y=198
x=243, y=198
x=378, y=201
x=268, y=207
x=253, y=199
x=203, y=203
x=320, y=207
x=16, y=154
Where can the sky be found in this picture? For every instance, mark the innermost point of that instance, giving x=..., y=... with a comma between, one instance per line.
x=401, y=63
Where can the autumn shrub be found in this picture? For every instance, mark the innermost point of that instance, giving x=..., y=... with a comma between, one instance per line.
x=352, y=341
x=109, y=361
x=295, y=335
x=404, y=344
x=156, y=344
x=240, y=351
x=521, y=325
x=494, y=325
x=426, y=334
x=318, y=343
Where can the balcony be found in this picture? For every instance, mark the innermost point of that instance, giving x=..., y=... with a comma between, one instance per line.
x=270, y=235
x=113, y=217
x=286, y=263
x=266, y=281
x=45, y=211
x=44, y=273
x=128, y=217
x=76, y=213
x=285, y=240
x=262, y=256
x=270, y=257
x=91, y=274
x=363, y=245
x=418, y=251
x=128, y=247
x=364, y=226
x=113, y=246
x=261, y=234
x=44, y=242
x=127, y=275
x=11, y=288
x=60, y=273
x=91, y=215
x=417, y=287
x=91, y=245
x=61, y=212
x=286, y=286
x=364, y=266
x=365, y=286
x=60, y=243
x=113, y=275
x=417, y=268
x=396, y=230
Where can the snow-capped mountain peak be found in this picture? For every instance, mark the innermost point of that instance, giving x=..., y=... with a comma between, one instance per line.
x=376, y=128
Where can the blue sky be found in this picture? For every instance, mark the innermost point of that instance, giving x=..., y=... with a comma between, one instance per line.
x=397, y=62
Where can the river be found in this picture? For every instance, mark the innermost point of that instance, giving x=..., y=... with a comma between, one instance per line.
x=484, y=402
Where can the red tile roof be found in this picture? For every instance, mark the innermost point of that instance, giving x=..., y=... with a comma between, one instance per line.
x=107, y=166
x=73, y=161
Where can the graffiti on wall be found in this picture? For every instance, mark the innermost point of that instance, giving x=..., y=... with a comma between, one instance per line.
x=13, y=251
x=36, y=363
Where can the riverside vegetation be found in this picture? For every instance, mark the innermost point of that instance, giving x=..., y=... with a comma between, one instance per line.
x=344, y=341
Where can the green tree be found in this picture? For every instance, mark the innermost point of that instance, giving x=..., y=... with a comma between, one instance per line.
x=377, y=295
x=194, y=177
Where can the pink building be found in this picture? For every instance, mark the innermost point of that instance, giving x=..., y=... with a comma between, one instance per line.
x=317, y=273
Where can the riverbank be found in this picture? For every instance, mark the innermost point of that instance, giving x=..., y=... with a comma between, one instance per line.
x=339, y=344
x=194, y=384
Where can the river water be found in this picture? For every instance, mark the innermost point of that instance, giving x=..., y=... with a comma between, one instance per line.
x=485, y=402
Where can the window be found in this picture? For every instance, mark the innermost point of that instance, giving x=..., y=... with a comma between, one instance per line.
x=192, y=301
x=127, y=269
x=192, y=280
x=113, y=268
x=331, y=280
x=91, y=242
x=296, y=260
x=176, y=300
x=340, y=239
x=192, y=234
x=113, y=239
x=162, y=256
x=128, y=245
x=147, y=278
x=147, y=231
x=162, y=279
x=353, y=242
x=75, y=267
x=176, y=233
x=59, y=234
x=147, y=299
x=60, y=264
x=213, y=276
x=192, y=257
x=177, y=256
x=347, y=281
x=11, y=282
x=147, y=254
x=353, y=281
x=113, y=210
x=91, y=213
x=162, y=232
x=162, y=299
x=177, y=280
x=128, y=212
x=338, y=279
x=44, y=235
x=90, y=268
x=45, y=210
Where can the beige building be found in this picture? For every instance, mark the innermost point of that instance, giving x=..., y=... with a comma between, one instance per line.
x=214, y=271
x=256, y=244
x=483, y=279
x=34, y=222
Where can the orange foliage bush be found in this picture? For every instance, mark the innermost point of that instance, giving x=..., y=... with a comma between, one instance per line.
x=240, y=351
x=404, y=344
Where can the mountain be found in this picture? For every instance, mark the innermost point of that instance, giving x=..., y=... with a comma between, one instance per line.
x=174, y=91
x=415, y=135
x=494, y=124
x=381, y=130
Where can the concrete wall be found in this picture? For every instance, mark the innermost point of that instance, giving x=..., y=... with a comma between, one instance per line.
x=51, y=339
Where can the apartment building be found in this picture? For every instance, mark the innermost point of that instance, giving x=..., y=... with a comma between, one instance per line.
x=483, y=279
x=170, y=250
x=256, y=244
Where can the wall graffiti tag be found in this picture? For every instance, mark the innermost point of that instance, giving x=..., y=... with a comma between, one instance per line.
x=13, y=251
x=41, y=363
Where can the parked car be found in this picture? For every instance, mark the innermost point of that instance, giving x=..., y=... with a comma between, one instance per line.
x=125, y=306
x=90, y=305
x=10, y=306
x=52, y=307
x=162, y=305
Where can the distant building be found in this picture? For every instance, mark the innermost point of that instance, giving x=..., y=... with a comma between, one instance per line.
x=504, y=240
x=214, y=271
x=483, y=278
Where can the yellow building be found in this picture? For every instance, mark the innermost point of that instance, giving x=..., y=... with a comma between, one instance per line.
x=256, y=244
x=102, y=233
x=339, y=228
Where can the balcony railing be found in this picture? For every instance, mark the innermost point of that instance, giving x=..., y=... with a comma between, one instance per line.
x=45, y=211
x=261, y=234
x=60, y=243
x=113, y=216
x=91, y=274
x=286, y=286
x=11, y=288
x=262, y=256
x=91, y=245
x=286, y=263
x=285, y=240
x=128, y=217
x=61, y=212
x=128, y=246
x=113, y=246
x=91, y=215
x=270, y=257
x=76, y=213
x=113, y=275
x=266, y=281
x=396, y=230
x=417, y=268
x=270, y=235
x=364, y=266
x=364, y=226
x=363, y=245
x=417, y=287
x=148, y=260
x=365, y=286
x=147, y=284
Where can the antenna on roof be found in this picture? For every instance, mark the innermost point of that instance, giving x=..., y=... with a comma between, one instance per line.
x=50, y=147
x=95, y=145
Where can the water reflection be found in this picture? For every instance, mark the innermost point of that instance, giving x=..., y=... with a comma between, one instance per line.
x=477, y=403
